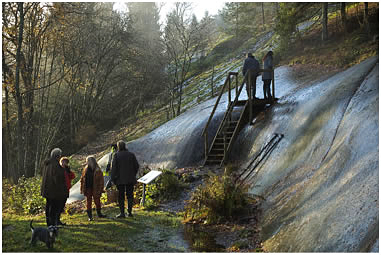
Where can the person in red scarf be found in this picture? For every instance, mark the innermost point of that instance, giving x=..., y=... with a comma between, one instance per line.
x=69, y=176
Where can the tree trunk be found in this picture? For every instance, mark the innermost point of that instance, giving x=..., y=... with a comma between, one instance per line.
x=20, y=121
x=325, y=22
x=211, y=84
x=343, y=17
x=366, y=19
x=366, y=11
x=180, y=99
x=237, y=21
x=7, y=138
x=263, y=16
x=29, y=141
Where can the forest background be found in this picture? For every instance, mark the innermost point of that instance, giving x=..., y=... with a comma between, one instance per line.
x=71, y=71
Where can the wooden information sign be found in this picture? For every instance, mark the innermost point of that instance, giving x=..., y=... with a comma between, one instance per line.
x=147, y=179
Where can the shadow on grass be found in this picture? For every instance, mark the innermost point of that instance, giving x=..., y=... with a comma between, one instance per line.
x=145, y=232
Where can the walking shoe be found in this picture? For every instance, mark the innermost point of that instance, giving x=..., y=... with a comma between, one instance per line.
x=99, y=214
x=90, y=215
x=121, y=215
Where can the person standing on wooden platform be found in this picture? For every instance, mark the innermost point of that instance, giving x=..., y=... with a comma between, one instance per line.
x=267, y=76
x=251, y=64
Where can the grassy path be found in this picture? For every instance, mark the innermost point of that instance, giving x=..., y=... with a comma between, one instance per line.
x=147, y=231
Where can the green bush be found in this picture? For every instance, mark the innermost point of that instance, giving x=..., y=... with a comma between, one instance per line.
x=24, y=197
x=166, y=187
x=219, y=198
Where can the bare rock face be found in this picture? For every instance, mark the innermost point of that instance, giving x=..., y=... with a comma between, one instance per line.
x=321, y=182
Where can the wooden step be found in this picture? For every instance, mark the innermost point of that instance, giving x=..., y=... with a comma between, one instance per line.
x=240, y=103
x=220, y=139
x=233, y=124
x=220, y=144
x=214, y=155
x=216, y=162
x=216, y=150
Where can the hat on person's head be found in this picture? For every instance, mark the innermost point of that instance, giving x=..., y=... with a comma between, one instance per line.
x=249, y=54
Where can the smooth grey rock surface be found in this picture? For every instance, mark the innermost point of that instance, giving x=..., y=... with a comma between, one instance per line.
x=321, y=182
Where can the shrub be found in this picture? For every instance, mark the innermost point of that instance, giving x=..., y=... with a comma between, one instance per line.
x=165, y=187
x=218, y=199
x=24, y=197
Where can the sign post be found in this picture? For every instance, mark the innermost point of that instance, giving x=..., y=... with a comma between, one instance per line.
x=147, y=179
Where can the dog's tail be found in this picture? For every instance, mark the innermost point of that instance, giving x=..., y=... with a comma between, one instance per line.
x=31, y=227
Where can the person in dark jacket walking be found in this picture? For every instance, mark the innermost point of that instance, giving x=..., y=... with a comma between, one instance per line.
x=253, y=65
x=267, y=76
x=92, y=186
x=123, y=173
x=53, y=187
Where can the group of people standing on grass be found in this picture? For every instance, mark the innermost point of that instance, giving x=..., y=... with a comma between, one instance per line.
x=252, y=64
x=57, y=177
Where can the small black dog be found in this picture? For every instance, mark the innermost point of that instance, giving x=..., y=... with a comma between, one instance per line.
x=46, y=235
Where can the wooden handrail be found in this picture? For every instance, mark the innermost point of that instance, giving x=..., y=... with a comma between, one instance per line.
x=215, y=106
x=218, y=100
x=231, y=104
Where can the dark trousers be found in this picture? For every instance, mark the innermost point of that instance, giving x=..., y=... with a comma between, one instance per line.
x=63, y=203
x=128, y=190
x=89, y=200
x=253, y=81
x=52, y=210
x=266, y=89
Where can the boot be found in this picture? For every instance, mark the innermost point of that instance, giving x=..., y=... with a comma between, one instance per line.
x=121, y=215
x=48, y=221
x=90, y=215
x=99, y=213
x=129, y=206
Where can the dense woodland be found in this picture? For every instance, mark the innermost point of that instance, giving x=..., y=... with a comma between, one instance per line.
x=72, y=70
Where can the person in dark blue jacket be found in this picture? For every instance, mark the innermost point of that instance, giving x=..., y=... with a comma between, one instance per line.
x=123, y=174
x=253, y=65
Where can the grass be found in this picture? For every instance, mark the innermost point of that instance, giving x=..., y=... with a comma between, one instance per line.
x=147, y=231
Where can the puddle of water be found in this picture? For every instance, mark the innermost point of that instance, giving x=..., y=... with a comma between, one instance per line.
x=200, y=240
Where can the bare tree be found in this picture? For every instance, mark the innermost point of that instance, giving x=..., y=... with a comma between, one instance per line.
x=20, y=118
x=182, y=38
x=325, y=21
x=263, y=16
x=343, y=17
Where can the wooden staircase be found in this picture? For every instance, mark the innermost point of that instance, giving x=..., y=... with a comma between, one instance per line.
x=238, y=114
x=227, y=133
